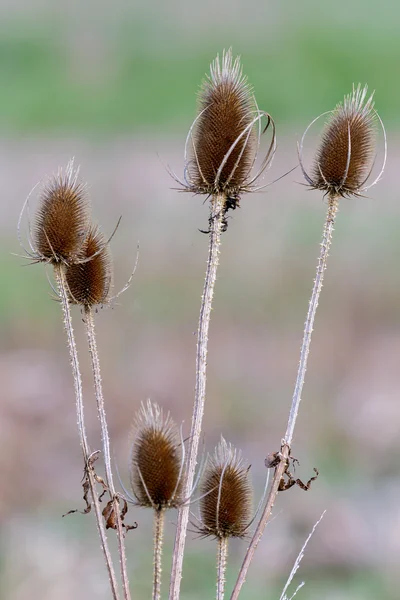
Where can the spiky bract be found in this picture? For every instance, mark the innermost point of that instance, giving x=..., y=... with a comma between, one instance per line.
x=226, y=502
x=156, y=459
x=345, y=156
x=224, y=141
x=63, y=218
x=89, y=281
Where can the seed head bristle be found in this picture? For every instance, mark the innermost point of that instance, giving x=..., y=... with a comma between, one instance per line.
x=63, y=218
x=345, y=156
x=156, y=459
x=226, y=108
x=225, y=507
x=89, y=280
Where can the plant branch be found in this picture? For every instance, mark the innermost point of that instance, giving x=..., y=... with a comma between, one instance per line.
x=61, y=283
x=216, y=216
x=333, y=205
x=158, y=544
x=222, y=556
x=91, y=336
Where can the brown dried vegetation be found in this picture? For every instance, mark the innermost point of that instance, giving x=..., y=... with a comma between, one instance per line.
x=226, y=109
x=225, y=507
x=89, y=281
x=63, y=218
x=156, y=460
x=345, y=156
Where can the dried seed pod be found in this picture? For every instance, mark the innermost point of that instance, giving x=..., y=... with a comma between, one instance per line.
x=156, y=462
x=226, y=503
x=223, y=139
x=344, y=159
x=89, y=280
x=226, y=109
x=63, y=218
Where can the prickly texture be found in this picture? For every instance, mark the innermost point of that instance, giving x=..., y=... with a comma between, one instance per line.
x=89, y=281
x=226, y=505
x=344, y=157
x=156, y=459
x=226, y=108
x=63, y=218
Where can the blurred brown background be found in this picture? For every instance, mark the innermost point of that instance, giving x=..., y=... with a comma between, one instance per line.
x=116, y=88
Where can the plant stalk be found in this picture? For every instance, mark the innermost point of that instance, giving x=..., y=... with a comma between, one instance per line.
x=158, y=545
x=333, y=205
x=61, y=284
x=91, y=336
x=216, y=216
x=222, y=557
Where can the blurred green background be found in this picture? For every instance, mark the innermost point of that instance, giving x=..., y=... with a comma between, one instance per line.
x=115, y=86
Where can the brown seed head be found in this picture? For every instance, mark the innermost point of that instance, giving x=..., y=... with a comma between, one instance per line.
x=226, y=505
x=89, y=280
x=345, y=156
x=63, y=218
x=224, y=145
x=156, y=460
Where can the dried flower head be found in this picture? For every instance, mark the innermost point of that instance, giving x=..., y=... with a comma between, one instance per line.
x=63, y=218
x=226, y=502
x=156, y=467
x=225, y=136
x=345, y=157
x=89, y=280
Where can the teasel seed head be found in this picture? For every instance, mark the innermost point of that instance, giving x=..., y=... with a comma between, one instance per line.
x=224, y=138
x=63, y=218
x=345, y=157
x=156, y=467
x=226, y=494
x=89, y=280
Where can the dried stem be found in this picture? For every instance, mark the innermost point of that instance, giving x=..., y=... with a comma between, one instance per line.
x=333, y=205
x=91, y=336
x=222, y=556
x=216, y=216
x=158, y=545
x=60, y=279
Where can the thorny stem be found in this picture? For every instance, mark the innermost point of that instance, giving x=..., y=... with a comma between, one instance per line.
x=333, y=205
x=91, y=336
x=222, y=556
x=158, y=544
x=216, y=216
x=60, y=279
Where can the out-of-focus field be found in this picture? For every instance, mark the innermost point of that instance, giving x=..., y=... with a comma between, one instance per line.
x=117, y=90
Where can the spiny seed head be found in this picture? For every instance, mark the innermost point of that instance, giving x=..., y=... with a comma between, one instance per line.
x=156, y=459
x=89, y=280
x=226, y=505
x=345, y=156
x=63, y=218
x=224, y=138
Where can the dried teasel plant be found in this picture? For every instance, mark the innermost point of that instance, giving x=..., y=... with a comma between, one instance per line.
x=342, y=166
x=62, y=219
x=90, y=281
x=156, y=473
x=220, y=152
x=225, y=503
x=61, y=228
